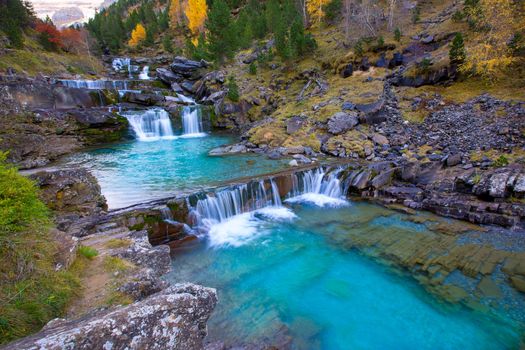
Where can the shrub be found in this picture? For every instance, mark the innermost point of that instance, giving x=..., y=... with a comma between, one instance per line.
x=457, y=52
x=416, y=14
x=87, y=252
x=332, y=10
x=253, y=68
x=166, y=44
x=397, y=34
x=233, y=89
x=424, y=66
x=380, y=42
x=358, y=48
x=501, y=162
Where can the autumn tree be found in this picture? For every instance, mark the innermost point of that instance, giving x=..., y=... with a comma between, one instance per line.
x=176, y=13
x=72, y=40
x=315, y=10
x=496, y=22
x=48, y=35
x=196, y=12
x=138, y=35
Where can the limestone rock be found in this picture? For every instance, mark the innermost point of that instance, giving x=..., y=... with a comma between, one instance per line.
x=341, y=122
x=175, y=318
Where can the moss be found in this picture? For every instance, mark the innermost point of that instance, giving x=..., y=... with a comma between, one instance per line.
x=115, y=264
x=118, y=243
x=272, y=134
x=353, y=142
x=118, y=298
x=87, y=252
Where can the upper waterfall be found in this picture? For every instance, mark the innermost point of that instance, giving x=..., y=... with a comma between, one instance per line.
x=150, y=125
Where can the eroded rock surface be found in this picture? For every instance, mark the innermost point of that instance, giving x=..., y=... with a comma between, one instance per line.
x=174, y=318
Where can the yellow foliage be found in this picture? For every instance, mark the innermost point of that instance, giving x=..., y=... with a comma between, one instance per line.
x=315, y=10
x=176, y=12
x=490, y=54
x=137, y=35
x=196, y=11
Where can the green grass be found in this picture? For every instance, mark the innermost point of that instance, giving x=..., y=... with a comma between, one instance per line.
x=87, y=252
x=118, y=243
x=116, y=264
x=31, y=291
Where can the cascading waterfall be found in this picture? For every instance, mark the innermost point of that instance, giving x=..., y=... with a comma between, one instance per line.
x=144, y=73
x=151, y=125
x=121, y=63
x=192, y=121
x=94, y=84
x=317, y=187
x=231, y=216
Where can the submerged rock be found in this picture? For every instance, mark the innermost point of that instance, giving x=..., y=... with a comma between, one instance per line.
x=174, y=318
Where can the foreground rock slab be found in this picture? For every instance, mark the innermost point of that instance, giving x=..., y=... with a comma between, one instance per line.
x=172, y=319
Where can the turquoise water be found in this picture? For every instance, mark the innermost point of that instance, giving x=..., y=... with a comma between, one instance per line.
x=285, y=274
x=136, y=171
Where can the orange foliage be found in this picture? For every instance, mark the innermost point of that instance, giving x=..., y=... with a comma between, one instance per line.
x=177, y=8
x=71, y=40
x=196, y=11
x=137, y=35
x=49, y=33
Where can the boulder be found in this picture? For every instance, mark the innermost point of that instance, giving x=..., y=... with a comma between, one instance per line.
x=341, y=122
x=143, y=99
x=382, y=62
x=453, y=159
x=380, y=139
x=167, y=76
x=187, y=68
x=347, y=71
x=174, y=318
x=294, y=123
x=70, y=191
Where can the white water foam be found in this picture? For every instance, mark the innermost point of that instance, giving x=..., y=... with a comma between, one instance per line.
x=192, y=122
x=151, y=125
x=144, y=74
x=244, y=228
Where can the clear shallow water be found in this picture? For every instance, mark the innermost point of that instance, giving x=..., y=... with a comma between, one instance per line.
x=136, y=171
x=285, y=272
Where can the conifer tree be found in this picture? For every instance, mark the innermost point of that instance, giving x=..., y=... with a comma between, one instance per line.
x=457, y=52
x=222, y=41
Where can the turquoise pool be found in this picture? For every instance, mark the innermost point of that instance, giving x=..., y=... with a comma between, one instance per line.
x=284, y=276
x=138, y=171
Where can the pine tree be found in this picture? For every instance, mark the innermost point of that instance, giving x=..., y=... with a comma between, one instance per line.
x=457, y=52
x=222, y=41
x=166, y=43
x=15, y=16
x=233, y=88
x=397, y=34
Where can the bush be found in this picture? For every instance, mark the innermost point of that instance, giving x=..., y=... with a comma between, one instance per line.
x=358, y=48
x=457, y=52
x=416, y=14
x=423, y=67
x=166, y=44
x=87, y=252
x=332, y=10
x=397, y=34
x=233, y=89
x=253, y=68
x=501, y=162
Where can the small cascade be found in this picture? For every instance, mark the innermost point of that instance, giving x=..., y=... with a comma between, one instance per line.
x=192, y=121
x=317, y=187
x=186, y=99
x=94, y=84
x=233, y=216
x=144, y=74
x=121, y=63
x=151, y=125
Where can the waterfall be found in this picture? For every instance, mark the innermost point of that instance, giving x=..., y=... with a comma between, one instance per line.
x=233, y=215
x=144, y=74
x=186, y=99
x=192, y=121
x=150, y=125
x=119, y=64
x=94, y=84
x=318, y=188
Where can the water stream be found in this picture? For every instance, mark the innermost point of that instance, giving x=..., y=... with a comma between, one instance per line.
x=284, y=273
x=151, y=125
